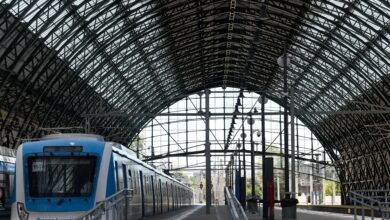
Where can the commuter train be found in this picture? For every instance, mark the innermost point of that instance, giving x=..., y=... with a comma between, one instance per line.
x=62, y=177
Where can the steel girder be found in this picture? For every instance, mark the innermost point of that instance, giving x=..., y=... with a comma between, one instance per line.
x=62, y=59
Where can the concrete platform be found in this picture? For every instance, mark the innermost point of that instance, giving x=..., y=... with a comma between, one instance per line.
x=197, y=212
x=222, y=213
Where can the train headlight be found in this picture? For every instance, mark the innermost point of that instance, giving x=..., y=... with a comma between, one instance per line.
x=22, y=213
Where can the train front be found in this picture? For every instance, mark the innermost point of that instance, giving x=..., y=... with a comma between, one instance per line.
x=56, y=179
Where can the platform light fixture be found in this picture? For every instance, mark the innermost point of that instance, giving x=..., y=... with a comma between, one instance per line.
x=281, y=60
x=239, y=102
x=263, y=12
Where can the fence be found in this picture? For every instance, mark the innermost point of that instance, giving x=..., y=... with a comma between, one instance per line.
x=236, y=210
x=114, y=207
x=377, y=201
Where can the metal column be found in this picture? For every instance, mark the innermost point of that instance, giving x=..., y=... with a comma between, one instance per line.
x=324, y=180
x=152, y=139
x=298, y=174
x=312, y=170
x=187, y=131
x=253, y=178
x=311, y=184
x=333, y=187
x=224, y=125
x=243, y=143
x=243, y=189
x=265, y=205
x=280, y=138
x=231, y=173
x=138, y=146
x=168, y=141
x=286, y=171
x=292, y=143
x=208, y=163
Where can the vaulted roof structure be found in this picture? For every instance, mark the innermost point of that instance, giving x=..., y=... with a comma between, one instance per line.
x=61, y=59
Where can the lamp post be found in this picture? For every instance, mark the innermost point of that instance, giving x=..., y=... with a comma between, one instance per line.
x=283, y=61
x=238, y=179
x=239, y=158
x=289, y=208
x=251, y=121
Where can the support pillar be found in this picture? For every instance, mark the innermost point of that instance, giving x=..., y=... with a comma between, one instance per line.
x=298, y=173
x=152, y=147
x=138, y=147
x=187, y=132
x=333, y=188
x=324, y=180
x=208, y=162
x=311, y=185
x=264, y=188
x=168, y=141
x=285, y=101
x=253, y=176
x=278, y=187
x=224, y=125
x=243, y=189
x=268, y=197
x=292, y=143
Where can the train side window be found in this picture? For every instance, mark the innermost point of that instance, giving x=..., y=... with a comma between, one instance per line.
x=146, y=184
x=116, y=175
x=135, y=180
x=166, y=186
x=120, y=177
x=149, y=182
x=125, y=183
x=150, y=185
x=130, y=179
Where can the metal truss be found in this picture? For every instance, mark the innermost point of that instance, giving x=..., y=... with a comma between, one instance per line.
x=62, y=59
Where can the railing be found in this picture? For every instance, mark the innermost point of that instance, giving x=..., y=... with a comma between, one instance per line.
x=375, y=200
x=236, y=210
x=114, y=207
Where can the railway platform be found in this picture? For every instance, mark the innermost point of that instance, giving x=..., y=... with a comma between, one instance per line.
x=198, y=212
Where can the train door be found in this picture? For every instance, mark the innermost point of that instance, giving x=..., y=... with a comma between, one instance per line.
x=176, y=198
x=160, y=193
x=130, y=185
x=168, y=202
x=153, y=194
x=116, y=176
x=136, y=202
x=148, y=197
x=173, y=199
x=156, y=195
x=180, y=196
x=125, y=186
x=142, y=192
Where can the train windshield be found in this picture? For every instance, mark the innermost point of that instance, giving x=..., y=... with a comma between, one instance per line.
x=55, y=176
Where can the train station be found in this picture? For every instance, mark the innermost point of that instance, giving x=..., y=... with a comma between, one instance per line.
x=194, y=109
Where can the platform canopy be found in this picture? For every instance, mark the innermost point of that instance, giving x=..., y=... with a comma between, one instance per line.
x=60, y=59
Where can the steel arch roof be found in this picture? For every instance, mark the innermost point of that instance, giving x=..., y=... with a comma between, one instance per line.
x=62, y=59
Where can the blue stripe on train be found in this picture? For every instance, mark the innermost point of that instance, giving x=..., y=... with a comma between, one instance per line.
x=110, y=179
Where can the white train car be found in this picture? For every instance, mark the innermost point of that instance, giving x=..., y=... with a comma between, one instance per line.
x=64, y=176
